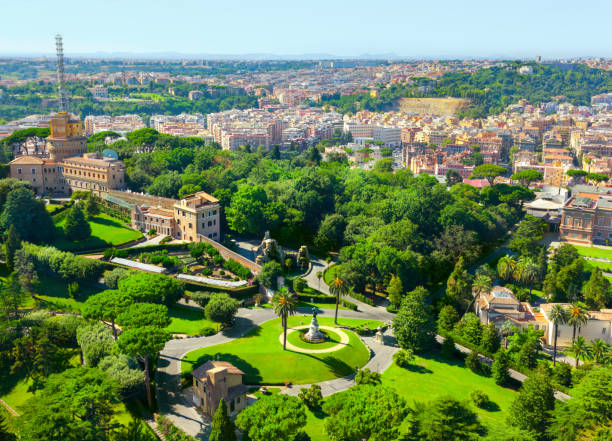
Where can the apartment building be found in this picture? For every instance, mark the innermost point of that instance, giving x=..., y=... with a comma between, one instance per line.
x=587, y=218
x=120, y=124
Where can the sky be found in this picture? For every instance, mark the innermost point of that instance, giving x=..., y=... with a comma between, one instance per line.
x=404, y=28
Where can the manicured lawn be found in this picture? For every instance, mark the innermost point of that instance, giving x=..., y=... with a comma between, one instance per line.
x=330, y=274
x=295, y=339
x=604, y=266
x=105, y=231
x=433, y=376
x=53, y=295
x=188, y=321
x=315, y=425
x=605, y=253
x=260, y=355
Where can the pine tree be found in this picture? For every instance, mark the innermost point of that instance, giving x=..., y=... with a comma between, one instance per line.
x=222, y=428
x=11, y=245
x=395, y=290
x=76, y=227
x=92, y=207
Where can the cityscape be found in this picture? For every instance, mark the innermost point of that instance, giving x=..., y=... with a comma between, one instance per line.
x=259, y=238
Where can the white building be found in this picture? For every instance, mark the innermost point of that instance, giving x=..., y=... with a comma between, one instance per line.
x=598, y=327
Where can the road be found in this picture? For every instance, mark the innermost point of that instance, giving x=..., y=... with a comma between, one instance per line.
x=178, y=407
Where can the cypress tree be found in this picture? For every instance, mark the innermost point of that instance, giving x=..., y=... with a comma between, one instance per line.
x=222, y=429
x=11, y=245
x=76, y=227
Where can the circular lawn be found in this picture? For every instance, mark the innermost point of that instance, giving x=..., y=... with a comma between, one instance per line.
x=260, y=355
x=295, y=338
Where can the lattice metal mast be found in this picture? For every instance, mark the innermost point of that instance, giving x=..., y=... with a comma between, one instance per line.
x=61, y=90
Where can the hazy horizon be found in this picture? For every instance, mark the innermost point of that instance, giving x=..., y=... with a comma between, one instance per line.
x=385, y=29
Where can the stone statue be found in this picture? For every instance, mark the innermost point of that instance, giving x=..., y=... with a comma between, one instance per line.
x=313, y=333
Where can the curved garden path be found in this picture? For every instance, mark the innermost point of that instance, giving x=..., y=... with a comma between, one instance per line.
x=174, y=404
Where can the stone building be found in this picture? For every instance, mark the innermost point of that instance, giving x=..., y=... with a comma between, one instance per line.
x=215, y=380
x=68, y=167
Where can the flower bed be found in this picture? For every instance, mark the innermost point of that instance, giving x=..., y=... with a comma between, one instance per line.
x=170, y=431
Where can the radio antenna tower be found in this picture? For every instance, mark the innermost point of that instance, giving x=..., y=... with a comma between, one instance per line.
x=61, y=91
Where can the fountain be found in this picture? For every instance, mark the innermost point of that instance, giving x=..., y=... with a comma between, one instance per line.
x=313, y=334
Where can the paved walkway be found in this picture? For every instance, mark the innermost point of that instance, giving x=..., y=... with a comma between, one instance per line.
x=177, y=406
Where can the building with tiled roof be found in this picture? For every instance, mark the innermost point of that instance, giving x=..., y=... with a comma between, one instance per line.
x=215, y=380
x=599, y=326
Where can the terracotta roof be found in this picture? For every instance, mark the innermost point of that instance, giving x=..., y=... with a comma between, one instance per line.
x=200, y=372
x=27, y=160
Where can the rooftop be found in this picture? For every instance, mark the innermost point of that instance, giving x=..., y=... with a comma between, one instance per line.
x=200, y=371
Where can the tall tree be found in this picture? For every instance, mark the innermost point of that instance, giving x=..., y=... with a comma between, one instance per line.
x=76, y=227
x=531, y=409
x=588, y=411
x=578, y=316
x=596, y=291
x=580, y=348
x=499, y=368
x=74, y=405
x=482, y=285
x=144, y=314
x=444, y=418
x=275, y=417
x=557, y=316
x=143, y=342
x=357, y=414
x=458, y=284
x=152, y=288
x=222, y=429
x=337, y=289
x=599, y=350
x=284, y=306
x=488, y=172
x=29, y=216
x=11, y=246
x=414, y=325
x=526, y=271
x=505, y=267
x=107, y=305
x=11, y=296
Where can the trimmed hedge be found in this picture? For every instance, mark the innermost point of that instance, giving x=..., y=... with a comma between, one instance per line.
x=64, y=264
x=319, y=298
x=237, y=268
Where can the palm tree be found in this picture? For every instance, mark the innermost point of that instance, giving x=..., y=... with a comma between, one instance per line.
x=526, y=271
x=319, y=275
x=337, y=288
x=480, y=286
x=557, y=316
x=599, y=350
x=577, y=317
x=505, y=267
x=507, y=328
x=284, y=306
x=580, y=348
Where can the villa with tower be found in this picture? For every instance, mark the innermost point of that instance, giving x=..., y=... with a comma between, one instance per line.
x=65, y=166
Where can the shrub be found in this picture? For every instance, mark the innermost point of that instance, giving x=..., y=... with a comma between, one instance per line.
x=222, y=272
x=170, y=431
x=311, y=397
x=112, y=278
x=201, y=298
x=366, y=376
x=196, y=249
x=361, y=298
x=64, y=264
x=562, y=374
x=448, y=348
x=207, y=331
x=218, y=259
x=299, y=284
x=479, y=398
x=472, y=361
x=152, y=232
x=166, y=239
x=499, y=369
x=403, y=357
x=237, y=268
x=207, y=272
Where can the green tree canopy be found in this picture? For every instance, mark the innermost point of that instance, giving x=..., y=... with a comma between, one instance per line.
x=365, y=412
x=413, y=325
x=144, y=314
x=221, y=308
x=28, y=216
x=74, y=405
x=274, y=417
x=152, y=288
x=488, y=171
x=76, y=227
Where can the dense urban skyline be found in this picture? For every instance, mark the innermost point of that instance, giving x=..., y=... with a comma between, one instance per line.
x=315, y=29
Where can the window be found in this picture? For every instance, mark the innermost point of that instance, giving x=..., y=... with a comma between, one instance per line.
x=603, y=331
x=214, y=212
x=33, y=171
x=232, y=406
x=209, y=223
x=18, y=171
